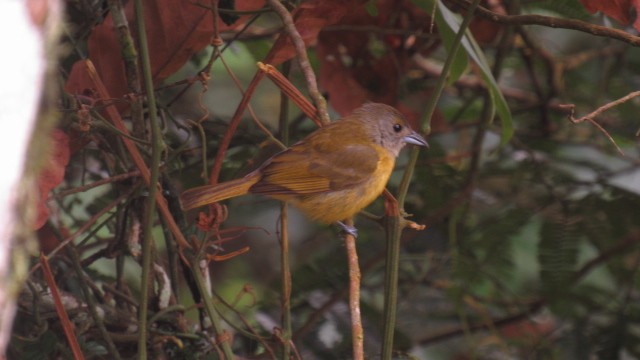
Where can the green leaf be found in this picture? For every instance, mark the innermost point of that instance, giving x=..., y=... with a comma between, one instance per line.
x=476, y=54
x=460, y=61
x=371, y=8
x=450, y=24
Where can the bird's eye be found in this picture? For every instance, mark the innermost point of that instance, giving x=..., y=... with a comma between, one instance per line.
x=397, y=127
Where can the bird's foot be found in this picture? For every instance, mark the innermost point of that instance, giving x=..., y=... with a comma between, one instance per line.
x=347, y=229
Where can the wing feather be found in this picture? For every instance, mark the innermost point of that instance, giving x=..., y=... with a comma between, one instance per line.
x=310, y=168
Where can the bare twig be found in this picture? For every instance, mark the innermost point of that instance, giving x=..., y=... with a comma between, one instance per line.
x=601, y=109
x=233, y=126
x=553, y=22
x=285, y=276
x=303, y=59
x=87, y=224
x=394, y=225
x=533, y=308
x=253, y=114
x=130, y=60
x=285, y=254
x=251, y=331
x=235, y=120
x=292, y=92
x=91, y=303
x=590, y=117
x=109, y=180
x=152, y=183
x=354, y=295
x=116, y=119
x=62, y=312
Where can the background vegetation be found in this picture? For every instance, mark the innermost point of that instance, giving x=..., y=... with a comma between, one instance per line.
x=533, y=220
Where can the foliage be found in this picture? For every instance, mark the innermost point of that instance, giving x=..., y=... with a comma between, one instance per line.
x=531, y=249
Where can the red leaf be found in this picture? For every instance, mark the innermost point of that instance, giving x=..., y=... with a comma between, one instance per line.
x=485, y=31
x=49, y=237
x=619, y=10
x=352, y=68
x=176, y=30
x=52, y=173
x=636, y=6
x=310, y=18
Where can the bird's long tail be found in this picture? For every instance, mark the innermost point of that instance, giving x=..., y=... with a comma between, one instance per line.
x=209, y=194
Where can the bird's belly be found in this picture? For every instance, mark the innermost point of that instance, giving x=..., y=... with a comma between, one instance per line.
x=337, y=205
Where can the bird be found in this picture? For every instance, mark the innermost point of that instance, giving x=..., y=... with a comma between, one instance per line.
x=330, y=175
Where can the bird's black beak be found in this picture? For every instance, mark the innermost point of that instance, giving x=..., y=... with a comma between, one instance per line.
x=415, y=139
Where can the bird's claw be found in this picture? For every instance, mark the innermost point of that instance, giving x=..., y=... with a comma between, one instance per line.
x=347, y=229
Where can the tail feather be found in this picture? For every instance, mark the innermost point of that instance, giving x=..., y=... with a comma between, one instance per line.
x=209, y=194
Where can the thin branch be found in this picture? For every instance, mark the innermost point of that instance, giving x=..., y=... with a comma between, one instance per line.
x=285, y=273
x=590, y=117
x=447, y=334
x=254, y=117
x=355, y=276
x=623, y=247
x=222, y=336
x=91, y=304
x=303, y=59
x=552, y=22
x=251, y=332
x=84, y=188
x=394, y=226
x=152, y=184
x=601, y=109
x=130, y=60
x=285, y=254
x=67, y=327
x=87, y=225
x=292, y=92
x=115, y=117
x=233, y=126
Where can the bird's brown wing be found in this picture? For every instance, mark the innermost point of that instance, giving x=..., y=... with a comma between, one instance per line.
x=307, y=169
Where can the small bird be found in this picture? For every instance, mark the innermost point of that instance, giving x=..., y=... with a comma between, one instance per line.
x=330, y=175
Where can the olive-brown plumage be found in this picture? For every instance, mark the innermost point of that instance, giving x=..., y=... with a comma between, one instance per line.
x=330, y=175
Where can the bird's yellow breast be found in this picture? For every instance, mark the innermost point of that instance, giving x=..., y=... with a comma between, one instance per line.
x=337, y=205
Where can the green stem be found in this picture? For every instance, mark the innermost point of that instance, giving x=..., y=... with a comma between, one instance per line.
x=91, y=303
x=207, y=300
x=395, y=224
x=285, y=271
x=393, y=231
x=286, y=282
x=425, y=122
x=156, y=143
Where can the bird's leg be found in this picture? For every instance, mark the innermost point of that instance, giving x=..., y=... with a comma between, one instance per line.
x=351, y=230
